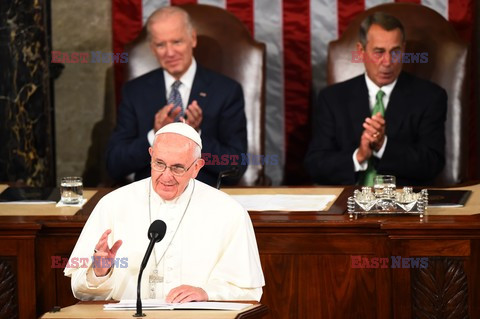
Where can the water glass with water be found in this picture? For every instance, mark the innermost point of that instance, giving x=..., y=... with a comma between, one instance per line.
x=71, y=190
x=384, y=186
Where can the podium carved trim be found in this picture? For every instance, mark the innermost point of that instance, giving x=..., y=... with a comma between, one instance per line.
x=8, y=292
x=441, y=290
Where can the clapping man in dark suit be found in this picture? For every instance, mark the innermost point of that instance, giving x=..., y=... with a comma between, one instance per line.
x=180, y=90
x=385, y=121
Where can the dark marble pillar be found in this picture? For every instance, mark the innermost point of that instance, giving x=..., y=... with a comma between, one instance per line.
x=26, y=126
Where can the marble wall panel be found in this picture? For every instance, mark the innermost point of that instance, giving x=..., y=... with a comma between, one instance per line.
x=26, y=140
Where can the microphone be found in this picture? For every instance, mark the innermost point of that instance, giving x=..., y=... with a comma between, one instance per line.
x=233, y=171
x=156, y=232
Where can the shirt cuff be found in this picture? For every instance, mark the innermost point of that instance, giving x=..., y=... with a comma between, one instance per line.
x=93, y=281
x=380, y=152
x=150, y=137
x=357, y=166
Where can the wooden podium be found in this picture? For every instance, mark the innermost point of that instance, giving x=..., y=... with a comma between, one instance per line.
x=86, y=310
x=307, y=259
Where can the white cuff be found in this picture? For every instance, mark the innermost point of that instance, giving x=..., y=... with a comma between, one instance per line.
x=93, y=281
x=380, y=152
x=357, y=166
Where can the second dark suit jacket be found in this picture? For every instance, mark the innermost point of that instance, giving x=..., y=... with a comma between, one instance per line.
x=415, y=119
x=223, y=129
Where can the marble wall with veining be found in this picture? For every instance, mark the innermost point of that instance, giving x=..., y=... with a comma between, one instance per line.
x=84, y=107
x=26, y=142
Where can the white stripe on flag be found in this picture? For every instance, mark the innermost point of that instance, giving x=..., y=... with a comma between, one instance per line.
x=324, y=28
x=216, y=3
x=268, y=29
x=148, y=6
x=441, y=6
x=373, y=3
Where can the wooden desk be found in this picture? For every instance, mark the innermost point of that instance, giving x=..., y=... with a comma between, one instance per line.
x=85, y=310
x=306, y=258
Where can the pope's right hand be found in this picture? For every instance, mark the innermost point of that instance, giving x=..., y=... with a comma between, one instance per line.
x=104, y=256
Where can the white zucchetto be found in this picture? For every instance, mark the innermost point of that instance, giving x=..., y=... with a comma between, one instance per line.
x=182, y=129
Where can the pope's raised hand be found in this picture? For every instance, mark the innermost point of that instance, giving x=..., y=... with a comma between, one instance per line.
x=104, y=256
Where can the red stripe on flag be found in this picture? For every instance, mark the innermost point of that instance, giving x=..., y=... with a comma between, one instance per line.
x=243, y=10
x=460, y=15
x=126, y=25
x=180, y=2
x=346, y=11
x=297, y=86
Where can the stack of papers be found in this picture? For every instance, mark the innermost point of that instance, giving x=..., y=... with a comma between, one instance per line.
x=154, y=304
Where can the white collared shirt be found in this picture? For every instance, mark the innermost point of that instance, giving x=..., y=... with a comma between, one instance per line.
x=373, y=89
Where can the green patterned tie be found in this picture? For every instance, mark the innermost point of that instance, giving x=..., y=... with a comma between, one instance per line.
x=370, y=173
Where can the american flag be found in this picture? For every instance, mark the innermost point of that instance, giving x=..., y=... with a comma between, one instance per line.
x=296, y=33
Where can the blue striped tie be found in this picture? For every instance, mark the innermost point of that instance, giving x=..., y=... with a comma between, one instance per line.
x=176, y=99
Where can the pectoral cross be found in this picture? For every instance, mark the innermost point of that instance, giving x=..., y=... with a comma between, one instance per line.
x=153, y=280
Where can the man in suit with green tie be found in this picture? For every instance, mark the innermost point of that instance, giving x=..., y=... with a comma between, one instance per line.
x=385, y=121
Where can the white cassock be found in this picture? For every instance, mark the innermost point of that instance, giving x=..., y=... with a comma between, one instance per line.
x=209, y=243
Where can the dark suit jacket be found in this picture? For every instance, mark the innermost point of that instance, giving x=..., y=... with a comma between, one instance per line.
x=223, y=129
x=415, y=120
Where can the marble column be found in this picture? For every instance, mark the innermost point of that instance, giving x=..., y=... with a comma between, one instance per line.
x=26, y=126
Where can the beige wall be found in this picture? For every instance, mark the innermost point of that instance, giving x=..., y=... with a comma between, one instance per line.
x=83, y=92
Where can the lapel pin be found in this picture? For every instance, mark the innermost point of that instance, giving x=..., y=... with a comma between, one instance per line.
x=203, y=94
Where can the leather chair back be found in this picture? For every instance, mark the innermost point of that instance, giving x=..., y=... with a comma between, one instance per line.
x=426, y=31
x=226, y=46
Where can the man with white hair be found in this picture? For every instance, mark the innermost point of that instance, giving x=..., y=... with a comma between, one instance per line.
x=209, y=251
x=180, y=90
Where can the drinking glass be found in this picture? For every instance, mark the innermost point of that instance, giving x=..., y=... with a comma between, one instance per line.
x=71, y=190
x=384, y=186
x=384, y=189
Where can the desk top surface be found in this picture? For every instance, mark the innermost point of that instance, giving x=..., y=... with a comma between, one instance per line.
x=467, y=217
x=95, y=310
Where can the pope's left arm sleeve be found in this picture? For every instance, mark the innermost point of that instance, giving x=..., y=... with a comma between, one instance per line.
x=238, y=273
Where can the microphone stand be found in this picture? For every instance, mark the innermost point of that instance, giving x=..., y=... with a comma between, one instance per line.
x=139, y=300
x=156, y=232
x=142, y=267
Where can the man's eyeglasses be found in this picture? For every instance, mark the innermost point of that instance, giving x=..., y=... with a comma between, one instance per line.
x=177, y=170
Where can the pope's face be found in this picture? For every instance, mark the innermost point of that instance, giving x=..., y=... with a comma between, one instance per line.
x=172, y=44
x=175, y=151
x=381, y=45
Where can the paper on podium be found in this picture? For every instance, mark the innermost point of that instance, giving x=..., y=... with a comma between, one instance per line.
x=155, y=304
x=284, y=202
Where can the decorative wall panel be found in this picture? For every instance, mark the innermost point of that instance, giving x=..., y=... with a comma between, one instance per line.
x=26, y=139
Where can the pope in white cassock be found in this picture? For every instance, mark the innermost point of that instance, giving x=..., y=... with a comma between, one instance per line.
x=209, y=251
